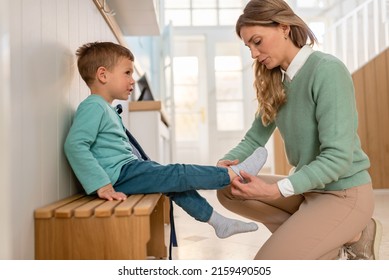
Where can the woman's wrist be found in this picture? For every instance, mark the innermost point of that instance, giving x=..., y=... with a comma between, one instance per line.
x=276, y=193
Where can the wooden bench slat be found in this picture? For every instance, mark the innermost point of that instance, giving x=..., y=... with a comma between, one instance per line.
x=106, y=209
x=87, y=210
x=47, y=211
x=75, y=228
x=147, y=204
x=126, y=207
x=67, y=210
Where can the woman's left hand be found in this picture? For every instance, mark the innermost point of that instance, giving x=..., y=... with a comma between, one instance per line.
x=254, y=188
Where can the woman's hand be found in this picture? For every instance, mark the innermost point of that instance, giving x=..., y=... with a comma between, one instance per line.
x=254, y=188
x=227, y=163
x=108, y=192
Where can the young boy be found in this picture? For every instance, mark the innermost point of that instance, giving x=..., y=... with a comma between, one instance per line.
x=105, y=163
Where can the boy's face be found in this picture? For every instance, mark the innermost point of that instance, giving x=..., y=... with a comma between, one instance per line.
x=120, y=82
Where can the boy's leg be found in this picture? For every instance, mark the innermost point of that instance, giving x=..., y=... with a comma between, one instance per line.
x=272, y=213
x=179, y=182
x=194, y=204
x=151, y=177
x=252, y=164
x=140, y=176
x=197, y=207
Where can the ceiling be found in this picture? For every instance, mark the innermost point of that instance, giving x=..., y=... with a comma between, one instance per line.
x=136, y=17
x=141, y=17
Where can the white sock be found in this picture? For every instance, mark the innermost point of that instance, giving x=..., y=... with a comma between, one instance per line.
x=225, y=227
x=253, y=163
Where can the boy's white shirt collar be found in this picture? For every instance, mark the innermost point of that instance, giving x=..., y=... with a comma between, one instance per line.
x=297, y=62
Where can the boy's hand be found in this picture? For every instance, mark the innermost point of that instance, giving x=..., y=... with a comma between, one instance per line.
x=108, y=192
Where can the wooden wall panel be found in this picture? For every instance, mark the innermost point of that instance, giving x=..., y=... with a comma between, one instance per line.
x=281, y=165
x=372, y=92
x=359, y=82
x=382, y=86
x=372, y=118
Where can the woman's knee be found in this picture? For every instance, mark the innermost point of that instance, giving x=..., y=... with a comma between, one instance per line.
x=224, y=195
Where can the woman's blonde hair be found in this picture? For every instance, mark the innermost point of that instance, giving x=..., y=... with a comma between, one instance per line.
x=270, y=92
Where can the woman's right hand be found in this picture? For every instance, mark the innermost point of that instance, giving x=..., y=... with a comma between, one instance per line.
x=254, y=187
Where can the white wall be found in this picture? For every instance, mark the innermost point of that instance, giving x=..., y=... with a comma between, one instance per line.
x=45, y=90
x=5, y=233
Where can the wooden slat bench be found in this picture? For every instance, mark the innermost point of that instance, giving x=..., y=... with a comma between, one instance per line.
x=87, y=227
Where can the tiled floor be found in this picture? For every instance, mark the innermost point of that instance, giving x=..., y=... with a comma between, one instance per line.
x=197, y=241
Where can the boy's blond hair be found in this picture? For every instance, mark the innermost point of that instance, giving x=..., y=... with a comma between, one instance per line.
x=91, y=56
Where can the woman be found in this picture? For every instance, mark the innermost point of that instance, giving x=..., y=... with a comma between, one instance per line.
x=326, y=203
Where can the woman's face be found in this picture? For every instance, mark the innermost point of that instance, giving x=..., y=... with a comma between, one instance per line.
x=268, y=44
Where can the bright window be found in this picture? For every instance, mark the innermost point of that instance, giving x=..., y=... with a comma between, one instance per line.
x=318, y=29
x=186, y=94
x=202, y=12
x=228, y=80
x=203, y=17
x=310, y=3
x=204, y=4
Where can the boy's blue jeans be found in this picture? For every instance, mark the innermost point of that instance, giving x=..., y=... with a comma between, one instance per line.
x=178, y=181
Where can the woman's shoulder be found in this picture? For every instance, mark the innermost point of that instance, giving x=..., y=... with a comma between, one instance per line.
x=321, y=58
x=320, y=62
